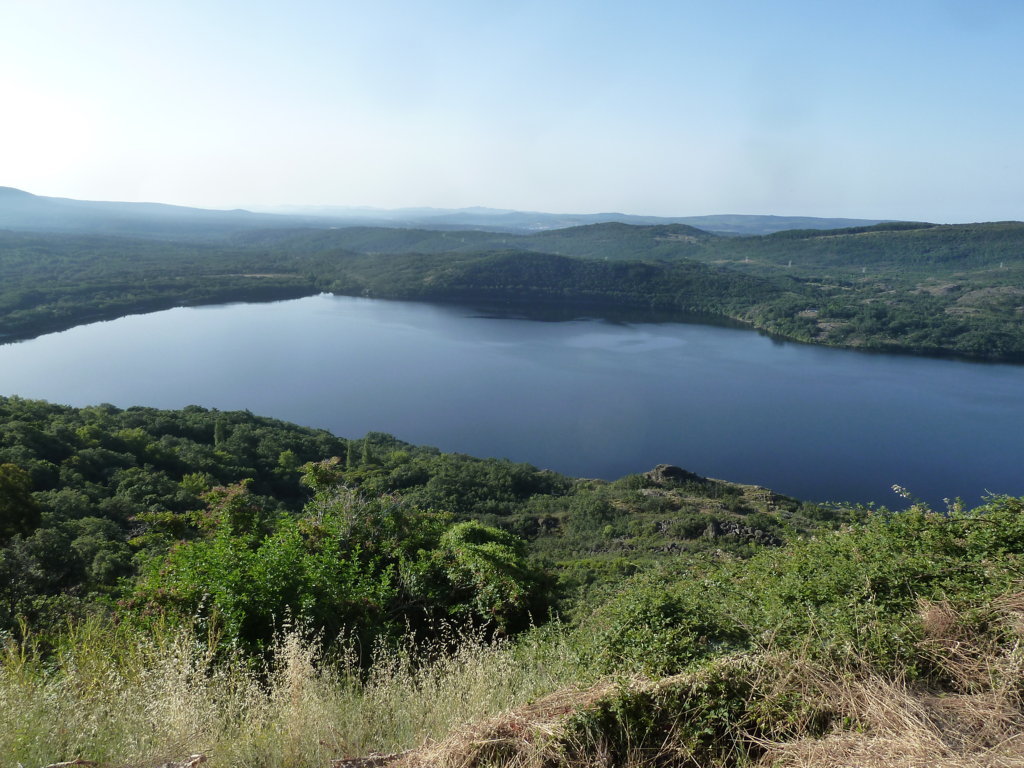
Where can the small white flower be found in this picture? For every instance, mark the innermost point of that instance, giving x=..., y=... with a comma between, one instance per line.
x=899, y=490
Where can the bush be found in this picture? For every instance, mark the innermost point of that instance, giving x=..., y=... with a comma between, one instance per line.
x=854, y=592
x=374, y=566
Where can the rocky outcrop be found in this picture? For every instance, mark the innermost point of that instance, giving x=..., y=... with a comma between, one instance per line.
x=669, y=474
x=717, y=529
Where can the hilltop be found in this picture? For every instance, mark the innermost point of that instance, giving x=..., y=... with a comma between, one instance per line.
x=24, y=211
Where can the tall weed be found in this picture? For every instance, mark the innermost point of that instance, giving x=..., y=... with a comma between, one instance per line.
x=108, y=694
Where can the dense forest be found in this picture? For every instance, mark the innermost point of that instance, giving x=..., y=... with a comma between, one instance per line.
x=898, y=287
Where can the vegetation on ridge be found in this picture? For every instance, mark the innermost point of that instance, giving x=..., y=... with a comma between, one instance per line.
x=180, y=582
x=906, y=287
x=177, y=512
x=896, y=636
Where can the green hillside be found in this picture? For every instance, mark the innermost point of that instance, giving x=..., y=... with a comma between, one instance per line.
x=897, y=287
x=541, y=279
x=248, y=592
x=90, y=495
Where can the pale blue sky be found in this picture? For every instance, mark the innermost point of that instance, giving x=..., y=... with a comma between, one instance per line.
x=902, y=109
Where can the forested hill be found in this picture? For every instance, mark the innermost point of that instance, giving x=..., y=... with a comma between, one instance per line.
x=529, y=279
x=894, y=245
x=50, y=282
x=901, y=287
x=158, y=507
x=903, y=245
x=595, y=241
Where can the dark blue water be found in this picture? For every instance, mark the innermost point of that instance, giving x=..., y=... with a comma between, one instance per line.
x=585, y=397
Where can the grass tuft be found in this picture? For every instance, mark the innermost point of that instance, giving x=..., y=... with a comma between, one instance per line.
x=109, y=696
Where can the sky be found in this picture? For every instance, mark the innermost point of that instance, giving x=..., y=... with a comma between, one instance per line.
x=909, y=109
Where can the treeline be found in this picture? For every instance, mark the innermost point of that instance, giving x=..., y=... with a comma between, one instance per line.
x=537, y=279
x=593, y=241
x=901, y=245
x=895, y=244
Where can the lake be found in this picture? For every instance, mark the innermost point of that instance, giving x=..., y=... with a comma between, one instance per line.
x=586, y=397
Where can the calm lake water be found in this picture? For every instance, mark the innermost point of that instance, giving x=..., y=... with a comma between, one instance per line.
x=584, y=397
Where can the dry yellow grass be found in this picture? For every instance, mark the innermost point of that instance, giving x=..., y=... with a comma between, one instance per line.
x=898, y=726
x=119, y=702
x=977, y=722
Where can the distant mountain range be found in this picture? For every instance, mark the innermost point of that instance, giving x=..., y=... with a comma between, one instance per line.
x=503, y=220
x=20, y=210
x=27, y=212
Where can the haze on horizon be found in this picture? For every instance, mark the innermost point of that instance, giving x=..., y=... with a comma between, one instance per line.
x=905, y=110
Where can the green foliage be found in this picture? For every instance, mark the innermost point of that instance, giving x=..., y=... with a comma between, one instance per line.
x=241, y=535
x=902, y=286
x=693, y=721
x=374, y=567
x=832, y=596
x=88, y=494
x=147, y=505
x=661, y=628
x=19, y=512
x=247, y=585
x=487, y=572
x=52, y=282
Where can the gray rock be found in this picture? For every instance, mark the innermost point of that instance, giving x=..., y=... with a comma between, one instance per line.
x=669, y=474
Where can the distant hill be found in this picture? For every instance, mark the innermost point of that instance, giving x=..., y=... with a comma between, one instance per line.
x=736, y=224
x=609, y=240
x=502, y=220
x=23, y=211
x=897, y=286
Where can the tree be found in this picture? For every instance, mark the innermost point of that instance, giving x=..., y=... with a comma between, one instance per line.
x=220, y=432
x=19, y=512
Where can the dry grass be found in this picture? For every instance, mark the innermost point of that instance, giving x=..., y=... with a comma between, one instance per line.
x=976, y=721
x=895, y=725
x=115, y=700
x=110, y=698
x=529, y=736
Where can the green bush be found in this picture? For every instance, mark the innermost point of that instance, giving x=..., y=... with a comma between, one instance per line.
x=376, y=567
x=853, y=593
